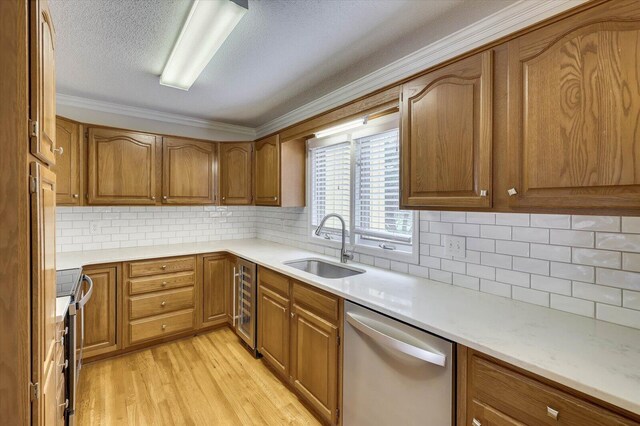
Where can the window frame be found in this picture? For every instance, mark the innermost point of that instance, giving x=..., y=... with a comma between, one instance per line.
x=378, y=126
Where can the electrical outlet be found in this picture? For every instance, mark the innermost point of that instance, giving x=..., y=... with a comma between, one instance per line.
x=94, y=228
x=455, y=246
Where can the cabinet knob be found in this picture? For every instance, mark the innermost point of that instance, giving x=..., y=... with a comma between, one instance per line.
x=275, y=198
x=59, y=151
x=164, y=197
x=483, y=192
x=224, y=198
x=552, y=413
x=476, y=422
x=164, y=267
x=64, y=365
x=164, y=283
x=511, y=192
x=293, y=314
x=163, y=303
x=75, y=195
x=153, y=198
x=164, y=326
x=65, y=404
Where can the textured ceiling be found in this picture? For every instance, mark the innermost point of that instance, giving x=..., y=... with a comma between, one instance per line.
x=283, y=54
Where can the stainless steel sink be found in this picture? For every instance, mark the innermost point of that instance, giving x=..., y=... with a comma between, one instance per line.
x=323, y=268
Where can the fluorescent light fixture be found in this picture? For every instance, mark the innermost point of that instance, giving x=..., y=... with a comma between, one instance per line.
x=208, y=25
x=341, y=128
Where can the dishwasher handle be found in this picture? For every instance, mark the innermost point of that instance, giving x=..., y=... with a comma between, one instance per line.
x=367, y=326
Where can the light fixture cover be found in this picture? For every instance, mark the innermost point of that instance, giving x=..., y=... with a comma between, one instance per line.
x=208, y=25
x=341, y=128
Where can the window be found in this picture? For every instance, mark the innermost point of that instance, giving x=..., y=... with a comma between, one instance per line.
x=357, y=175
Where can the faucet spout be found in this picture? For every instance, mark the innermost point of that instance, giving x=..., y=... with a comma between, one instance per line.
x=344, y=256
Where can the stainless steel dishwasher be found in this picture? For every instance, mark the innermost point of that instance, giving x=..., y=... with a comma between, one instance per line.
x=394, y=374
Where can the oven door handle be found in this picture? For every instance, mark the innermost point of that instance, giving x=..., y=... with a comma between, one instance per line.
x=86, y=296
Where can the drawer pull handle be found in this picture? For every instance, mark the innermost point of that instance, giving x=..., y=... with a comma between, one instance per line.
x=512, y=192
x=64, y=365
x=552, y=413
x=476, y=422
x=483, y=192
x=163, y=303
x=65, y=404
x=164, y=283
x=164, y=266
x=164, y=326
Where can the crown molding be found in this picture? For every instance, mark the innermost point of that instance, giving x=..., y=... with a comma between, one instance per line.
x=506, y=21
x=149, y=114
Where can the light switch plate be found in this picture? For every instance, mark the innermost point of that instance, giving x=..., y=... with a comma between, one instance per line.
x=455, y=246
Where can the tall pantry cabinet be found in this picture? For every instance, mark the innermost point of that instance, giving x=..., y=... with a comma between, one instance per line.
x=42, y=181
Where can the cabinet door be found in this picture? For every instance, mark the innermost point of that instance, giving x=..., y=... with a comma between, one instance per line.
x=314, y=366
x=446, y=136
x=43, y=285
x=188, y=171
x=485, y=415
x=216, y=283
x=101, y=312
x=43, y=83
x=273, y=329
x=67, y=168
x=235, y=173
x=49, y=397
x=574, y=112
x=267, y=171
x=122, y=167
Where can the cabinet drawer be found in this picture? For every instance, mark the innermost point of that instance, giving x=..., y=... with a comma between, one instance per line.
x=160, y=303
x=164, y=282
x=160, y=326
x=321, y=303
x=531, y=402
x=274, y=281
x=161, y=266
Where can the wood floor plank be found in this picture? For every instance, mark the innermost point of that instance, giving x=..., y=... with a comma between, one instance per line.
x=206, y=380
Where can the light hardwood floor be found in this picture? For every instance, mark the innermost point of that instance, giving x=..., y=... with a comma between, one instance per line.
x=206, y=380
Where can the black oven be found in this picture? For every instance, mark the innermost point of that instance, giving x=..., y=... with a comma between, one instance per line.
x=77, y=286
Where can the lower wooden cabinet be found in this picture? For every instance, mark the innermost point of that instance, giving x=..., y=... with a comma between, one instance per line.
x=298, y=336
x=101, y=334
x=493, y=393
x=314, y=368
x=216, y=289
x=273, y=320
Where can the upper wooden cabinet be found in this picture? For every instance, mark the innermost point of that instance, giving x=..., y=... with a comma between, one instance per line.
x=43, y=83
x=188, y=168
x=236, y=164
x=446, y=136
x=69, y=163
x=279, y=172
x=574, y=112
x=122, y=167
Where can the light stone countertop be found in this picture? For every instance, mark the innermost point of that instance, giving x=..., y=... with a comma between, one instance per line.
x=595, y=357
x=62, y=306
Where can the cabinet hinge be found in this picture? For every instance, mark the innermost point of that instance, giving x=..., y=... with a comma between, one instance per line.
x=33, y=184
x=400, y=96
x=337, y=414
x=338, y=338
x=34, y=390
x=33, y=128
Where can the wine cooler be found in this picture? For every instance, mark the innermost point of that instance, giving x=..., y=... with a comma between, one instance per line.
x=244, y=301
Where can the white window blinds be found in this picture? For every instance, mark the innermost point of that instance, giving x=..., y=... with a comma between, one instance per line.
x=331, y=183
x=377, y=187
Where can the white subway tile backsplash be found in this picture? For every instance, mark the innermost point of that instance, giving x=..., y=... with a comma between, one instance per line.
x=575, y=306
x=530, y=296
x=531, y=235
x=548, y=252
x=493, y=287
x=549, y=260
x=593, y=257
x=596, y=223
x=628, y=317
x=572, y=238
x=597, y=293
x=622, y=242
x=551, y=284
x=621, y=279
x=561, y=221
